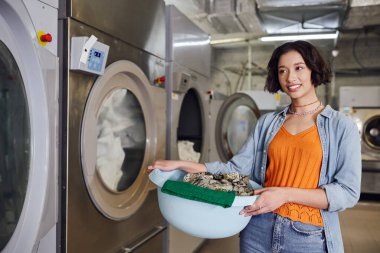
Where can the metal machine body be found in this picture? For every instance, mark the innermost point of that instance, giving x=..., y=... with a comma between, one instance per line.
x=114, y=128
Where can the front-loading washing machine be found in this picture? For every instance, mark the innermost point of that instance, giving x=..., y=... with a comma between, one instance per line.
x=188, y=57
x=233, y=119
x=28, y=126
x=114, y=125
x=362, y=104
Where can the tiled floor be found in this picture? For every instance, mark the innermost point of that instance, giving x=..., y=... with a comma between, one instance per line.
x=360, y=229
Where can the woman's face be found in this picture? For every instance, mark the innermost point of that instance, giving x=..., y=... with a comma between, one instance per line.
x=295, y=76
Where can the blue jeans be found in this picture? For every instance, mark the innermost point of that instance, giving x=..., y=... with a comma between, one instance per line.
x=270, y=232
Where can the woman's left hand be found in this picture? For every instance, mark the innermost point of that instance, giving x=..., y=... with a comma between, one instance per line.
x=270, y=199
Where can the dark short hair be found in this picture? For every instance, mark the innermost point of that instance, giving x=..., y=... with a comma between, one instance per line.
x=320, y=70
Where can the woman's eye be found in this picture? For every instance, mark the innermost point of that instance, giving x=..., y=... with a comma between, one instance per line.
x=299, y=68
x=282, y=71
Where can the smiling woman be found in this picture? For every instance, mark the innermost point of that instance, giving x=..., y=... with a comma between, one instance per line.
x=306, y=156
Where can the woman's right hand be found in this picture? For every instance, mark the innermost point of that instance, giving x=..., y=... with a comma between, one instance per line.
x=189, y=167
x=164, y=165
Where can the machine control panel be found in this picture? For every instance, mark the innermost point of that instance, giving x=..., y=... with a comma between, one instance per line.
x=88, y=55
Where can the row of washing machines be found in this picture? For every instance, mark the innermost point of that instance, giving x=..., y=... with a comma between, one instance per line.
x=91, y=93
x=362, y=105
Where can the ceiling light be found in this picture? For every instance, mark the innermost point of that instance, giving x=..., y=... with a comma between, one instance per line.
x=317, y=36
x=190, y=43
x=225, y=41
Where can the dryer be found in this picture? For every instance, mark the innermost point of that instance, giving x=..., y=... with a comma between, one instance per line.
x=28, y=125
x=362, y=104
x=114, y=125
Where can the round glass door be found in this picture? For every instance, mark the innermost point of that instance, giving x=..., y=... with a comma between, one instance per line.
x=371, y=132
x=118, y=140
x=190, y=128
x=236, y=119
x=14, y=144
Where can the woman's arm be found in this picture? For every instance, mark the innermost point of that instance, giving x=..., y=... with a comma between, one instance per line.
x=344, y=170
x=189, y=167
x=272, y=198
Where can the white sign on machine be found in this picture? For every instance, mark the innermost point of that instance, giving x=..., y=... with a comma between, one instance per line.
x=88, y=55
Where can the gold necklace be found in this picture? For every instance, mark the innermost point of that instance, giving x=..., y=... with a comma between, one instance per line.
x=306, y=104
x=305, y=112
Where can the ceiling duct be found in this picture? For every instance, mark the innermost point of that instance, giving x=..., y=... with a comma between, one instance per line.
x=246, y=13
x=223, y=16
x=307, y=16
x=362, y=14
x=233, y=16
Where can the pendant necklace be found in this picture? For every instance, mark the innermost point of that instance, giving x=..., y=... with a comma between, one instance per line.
x=305, y=112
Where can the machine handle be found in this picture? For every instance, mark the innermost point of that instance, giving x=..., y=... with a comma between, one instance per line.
x=370, y=166
x=155, y=232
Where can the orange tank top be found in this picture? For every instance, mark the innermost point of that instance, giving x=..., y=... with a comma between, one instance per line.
x=295, y=161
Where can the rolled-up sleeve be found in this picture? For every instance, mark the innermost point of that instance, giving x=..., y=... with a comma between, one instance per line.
x=344, y=190
x=243, y=161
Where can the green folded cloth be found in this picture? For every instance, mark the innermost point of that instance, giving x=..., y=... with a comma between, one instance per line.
x=189, y=191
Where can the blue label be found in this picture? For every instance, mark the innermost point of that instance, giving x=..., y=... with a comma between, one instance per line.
x=95, y=60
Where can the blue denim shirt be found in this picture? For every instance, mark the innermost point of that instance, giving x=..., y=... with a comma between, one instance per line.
x=341, y=163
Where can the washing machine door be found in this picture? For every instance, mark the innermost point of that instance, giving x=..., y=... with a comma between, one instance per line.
x=118, y=140
x=25, y=136
x=371, y=134
x=14, y=145
x=237, y=117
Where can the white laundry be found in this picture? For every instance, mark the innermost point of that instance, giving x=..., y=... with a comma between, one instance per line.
x=133, y=136
x=186, y=151
x=110, y=157
x=120, y=125
x=123, y=113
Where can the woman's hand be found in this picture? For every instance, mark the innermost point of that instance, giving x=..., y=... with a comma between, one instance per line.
x=270, y=199
x=164, y=165
x=189, y=167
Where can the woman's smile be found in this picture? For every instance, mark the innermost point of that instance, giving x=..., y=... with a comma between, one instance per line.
x=293, y=87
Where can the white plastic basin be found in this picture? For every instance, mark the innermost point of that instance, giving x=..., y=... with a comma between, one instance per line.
x=198, y=218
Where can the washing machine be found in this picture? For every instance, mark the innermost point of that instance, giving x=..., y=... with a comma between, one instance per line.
x=114, y=116
x=28, y=126
x=234, y=117
x=362, y=104
x=188, y=58
x=217, y=100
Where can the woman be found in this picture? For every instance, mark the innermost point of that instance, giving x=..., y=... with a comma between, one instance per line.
x=307, y=157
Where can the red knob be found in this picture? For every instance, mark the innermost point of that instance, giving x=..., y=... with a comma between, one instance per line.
x=46, y=37
x=160, y=80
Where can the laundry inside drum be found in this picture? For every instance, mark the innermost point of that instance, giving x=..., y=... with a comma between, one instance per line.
x=121, y=140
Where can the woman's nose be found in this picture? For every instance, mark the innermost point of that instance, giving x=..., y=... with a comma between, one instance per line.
x=291, y=76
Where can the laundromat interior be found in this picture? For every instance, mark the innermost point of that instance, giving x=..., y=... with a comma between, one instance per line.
x=92, y=92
